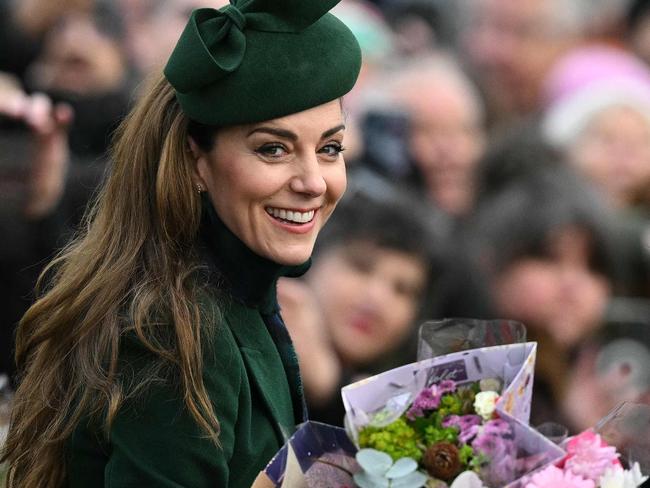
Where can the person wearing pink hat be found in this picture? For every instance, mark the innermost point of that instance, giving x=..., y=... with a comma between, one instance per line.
x=597, y=112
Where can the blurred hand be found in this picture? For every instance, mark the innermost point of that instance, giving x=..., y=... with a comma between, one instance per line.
x=49, y=127
x=319, y=366
x=590, y=395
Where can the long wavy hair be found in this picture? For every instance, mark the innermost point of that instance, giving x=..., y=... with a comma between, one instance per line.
x=131, y=270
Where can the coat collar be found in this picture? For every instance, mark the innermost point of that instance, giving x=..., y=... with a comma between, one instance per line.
x=264, y=366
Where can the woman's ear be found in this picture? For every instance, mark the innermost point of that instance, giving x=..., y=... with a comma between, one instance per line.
x=194, y=148
x=200, y=162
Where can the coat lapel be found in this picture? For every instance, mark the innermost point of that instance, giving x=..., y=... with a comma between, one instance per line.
x=264, y=366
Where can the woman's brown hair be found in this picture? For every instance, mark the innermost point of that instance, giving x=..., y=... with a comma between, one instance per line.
x=131, y=271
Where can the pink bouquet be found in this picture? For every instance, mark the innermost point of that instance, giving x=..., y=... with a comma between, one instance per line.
x=590, y=463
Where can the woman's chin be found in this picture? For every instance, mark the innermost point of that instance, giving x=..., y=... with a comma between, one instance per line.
x=293, y=257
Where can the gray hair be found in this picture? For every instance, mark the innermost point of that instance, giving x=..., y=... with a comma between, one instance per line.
x=441, y=69
x=565, y=17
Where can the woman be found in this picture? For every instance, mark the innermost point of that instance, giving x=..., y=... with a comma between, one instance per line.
x=157, y=356
x=539, y=252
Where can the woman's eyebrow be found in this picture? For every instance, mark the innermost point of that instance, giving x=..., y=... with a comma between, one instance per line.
x=332, y=131
x=292, y=136
x=285, y=134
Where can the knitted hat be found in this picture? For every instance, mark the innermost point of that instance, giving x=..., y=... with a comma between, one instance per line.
x=587, y=81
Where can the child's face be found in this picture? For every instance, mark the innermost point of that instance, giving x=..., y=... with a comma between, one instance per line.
x=560, y=292
x=370, y=297
x=614, y=152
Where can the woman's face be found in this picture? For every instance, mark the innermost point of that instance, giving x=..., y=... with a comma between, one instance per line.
x=275, y=184
x=560, y=292
x=370, y=296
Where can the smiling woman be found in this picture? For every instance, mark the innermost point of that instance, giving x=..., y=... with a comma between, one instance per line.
x=276, y=184
x=156, y=355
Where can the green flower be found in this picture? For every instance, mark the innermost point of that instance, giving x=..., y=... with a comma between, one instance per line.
x=466, y=454
x=397, y=439
x=434, y=434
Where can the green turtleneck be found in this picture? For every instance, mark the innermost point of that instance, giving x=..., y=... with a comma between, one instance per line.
x=250, y=278
x=251, y=375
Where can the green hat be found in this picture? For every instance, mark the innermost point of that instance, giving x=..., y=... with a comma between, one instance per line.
x=256, y=60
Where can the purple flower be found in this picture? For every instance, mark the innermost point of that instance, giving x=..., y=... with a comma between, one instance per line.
x=467, y=424
x=494, y=439
x=446, y=386
x=497, y=427
x=500, y=471
x=429, y=398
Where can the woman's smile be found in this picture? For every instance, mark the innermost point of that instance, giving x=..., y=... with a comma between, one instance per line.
x=298, y=217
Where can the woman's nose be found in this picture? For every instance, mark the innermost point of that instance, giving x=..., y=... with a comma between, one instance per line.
x=309, y=179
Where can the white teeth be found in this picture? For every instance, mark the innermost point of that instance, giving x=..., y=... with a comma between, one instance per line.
x=290, y=215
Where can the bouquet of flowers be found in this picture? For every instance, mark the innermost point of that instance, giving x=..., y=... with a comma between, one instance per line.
x=590, y=462
x=612, y=455
x=460, y=420
x=462, y=416
x=447, y=430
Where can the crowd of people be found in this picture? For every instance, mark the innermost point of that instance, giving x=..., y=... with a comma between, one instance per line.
x=498, y=156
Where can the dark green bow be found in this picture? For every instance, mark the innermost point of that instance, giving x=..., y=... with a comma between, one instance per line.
x=213, y=43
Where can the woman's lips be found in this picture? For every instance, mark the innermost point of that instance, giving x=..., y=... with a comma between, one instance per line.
x=297, y=221
x=363, y=323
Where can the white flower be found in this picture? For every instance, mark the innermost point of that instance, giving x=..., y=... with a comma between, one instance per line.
x=613, y=478
x=635, y=475
x=617, y=477
x=484, y=403
x=467, y=479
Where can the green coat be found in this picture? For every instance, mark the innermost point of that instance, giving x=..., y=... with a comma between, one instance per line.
x=251, y=379
x=157, y=443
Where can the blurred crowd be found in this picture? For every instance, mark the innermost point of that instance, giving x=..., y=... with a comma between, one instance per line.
x=498, y=155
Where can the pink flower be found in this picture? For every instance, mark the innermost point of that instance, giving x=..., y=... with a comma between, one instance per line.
x=553, y=477
x=589, y=456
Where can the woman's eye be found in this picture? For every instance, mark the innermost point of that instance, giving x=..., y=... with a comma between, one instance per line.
x=332, y=149
x=272, y=150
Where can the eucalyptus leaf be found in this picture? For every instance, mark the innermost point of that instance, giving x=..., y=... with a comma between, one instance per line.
x=402, y=467
x=374, y=462
x=416, y=479
x=367, y=480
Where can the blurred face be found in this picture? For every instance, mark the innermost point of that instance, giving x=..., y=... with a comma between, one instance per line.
x=153, y=42
x=446, y=141
x=511, y=45
x=560, y=293
x=370, y=297
x=275, y=184
x=78, y=58
x=614, y=152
